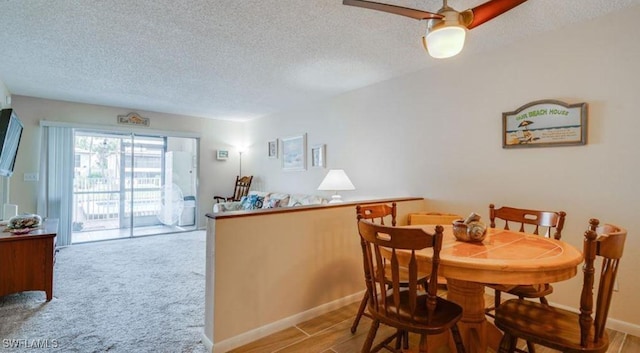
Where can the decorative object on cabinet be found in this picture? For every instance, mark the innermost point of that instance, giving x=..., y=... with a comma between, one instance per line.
x=27, y=261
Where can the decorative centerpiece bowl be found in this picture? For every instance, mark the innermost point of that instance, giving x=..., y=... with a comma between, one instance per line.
x=25, y=221
x=470, y=229
x=460, y=230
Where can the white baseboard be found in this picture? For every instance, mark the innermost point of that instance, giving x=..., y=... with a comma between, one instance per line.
x=257, y=333
x=613, y=324
x=207, y=343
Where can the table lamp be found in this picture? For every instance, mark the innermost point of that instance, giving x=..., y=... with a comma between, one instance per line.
x=336, y=180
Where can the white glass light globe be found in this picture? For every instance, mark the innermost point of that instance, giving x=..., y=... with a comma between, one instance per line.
x=446, y=41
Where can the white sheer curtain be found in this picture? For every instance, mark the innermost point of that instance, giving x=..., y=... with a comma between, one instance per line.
x=55, y=194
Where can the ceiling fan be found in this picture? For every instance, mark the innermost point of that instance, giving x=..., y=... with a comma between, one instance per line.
x=446, y=29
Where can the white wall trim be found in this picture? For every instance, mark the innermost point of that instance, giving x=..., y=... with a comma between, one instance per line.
x=613, y=324
x=257, y=333
x=207, y=342
x=115, y=128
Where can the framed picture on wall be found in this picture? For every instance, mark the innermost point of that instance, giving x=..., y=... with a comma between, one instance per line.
x=318, y=153
x=545, y=123
x=272, y=147
x=222, y=155
x=294, y=153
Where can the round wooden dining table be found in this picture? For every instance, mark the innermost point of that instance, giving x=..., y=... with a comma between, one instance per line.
x=503, y=257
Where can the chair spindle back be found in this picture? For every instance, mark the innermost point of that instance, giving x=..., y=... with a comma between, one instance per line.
x=607, y=242
x=539, y=219
x=382, y=243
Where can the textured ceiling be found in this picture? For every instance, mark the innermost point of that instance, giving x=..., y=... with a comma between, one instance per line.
x=234, y=59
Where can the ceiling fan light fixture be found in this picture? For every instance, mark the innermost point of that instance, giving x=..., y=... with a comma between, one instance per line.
x=445, y=41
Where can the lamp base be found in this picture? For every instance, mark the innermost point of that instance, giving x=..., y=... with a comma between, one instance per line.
x=336, y=199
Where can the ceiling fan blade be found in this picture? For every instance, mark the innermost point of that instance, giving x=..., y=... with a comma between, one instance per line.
x=490, y=9
x=396, y=10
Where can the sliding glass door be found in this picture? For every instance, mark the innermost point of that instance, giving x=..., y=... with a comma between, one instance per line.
x=129, y=185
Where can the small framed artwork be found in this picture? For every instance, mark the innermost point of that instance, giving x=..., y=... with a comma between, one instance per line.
x=272, y=148
x=318, y=155
x=222, y=155
x=294, y=153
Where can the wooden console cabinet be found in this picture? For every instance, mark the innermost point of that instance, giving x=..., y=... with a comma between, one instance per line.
x=26, y=261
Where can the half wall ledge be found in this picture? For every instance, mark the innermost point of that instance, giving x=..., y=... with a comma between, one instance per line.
x=269, y=269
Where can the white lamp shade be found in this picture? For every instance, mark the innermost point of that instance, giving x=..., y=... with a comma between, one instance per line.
x=445, y=41
x=336, y=180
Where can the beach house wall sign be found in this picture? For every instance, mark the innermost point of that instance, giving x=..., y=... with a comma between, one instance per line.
x=545, y=123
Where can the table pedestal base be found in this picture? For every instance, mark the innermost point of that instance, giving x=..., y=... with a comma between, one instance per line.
x=477, y=333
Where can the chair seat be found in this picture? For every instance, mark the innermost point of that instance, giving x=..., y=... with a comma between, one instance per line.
x=524, y=291
x=534, y=321
x=445, y=315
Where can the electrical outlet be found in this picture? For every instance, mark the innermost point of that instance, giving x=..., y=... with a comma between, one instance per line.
x=30, y=176
x=615, y=286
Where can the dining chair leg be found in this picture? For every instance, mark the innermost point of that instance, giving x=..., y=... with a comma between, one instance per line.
x=507, y=344
x=423, y=344
x=366, y=347
x=544, y=300
x=496, y=299
x=405, y=339
x=361, y=309
x=399, y=339
x=530, y=347
x=496, y=302
x=457, y=338
x=385, y=343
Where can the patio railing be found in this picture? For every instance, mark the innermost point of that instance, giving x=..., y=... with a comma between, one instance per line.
x=100, y=202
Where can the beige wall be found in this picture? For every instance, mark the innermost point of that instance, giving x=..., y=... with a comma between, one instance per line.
x=437, y=134
x=215, y=177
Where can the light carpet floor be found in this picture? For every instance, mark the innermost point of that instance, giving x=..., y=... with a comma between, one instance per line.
x=134, y=295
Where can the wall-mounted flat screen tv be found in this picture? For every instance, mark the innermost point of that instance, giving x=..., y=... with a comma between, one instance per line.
x=10, y=134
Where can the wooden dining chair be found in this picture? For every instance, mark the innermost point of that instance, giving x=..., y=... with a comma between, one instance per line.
x=565, y=330
x=434, y=218
x=378, y=213
x=401, y=305
x=544, y=223
x=241, y=189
